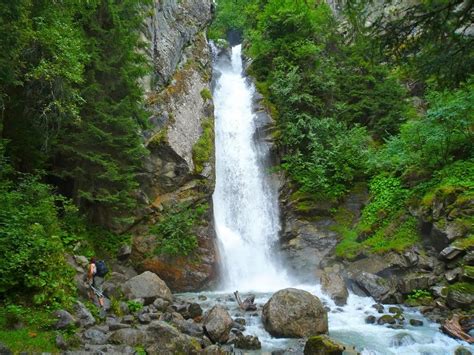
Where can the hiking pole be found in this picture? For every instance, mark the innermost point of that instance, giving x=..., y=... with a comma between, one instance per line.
x=97, y=292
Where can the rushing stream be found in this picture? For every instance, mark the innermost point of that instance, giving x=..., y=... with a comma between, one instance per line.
x=247, y=225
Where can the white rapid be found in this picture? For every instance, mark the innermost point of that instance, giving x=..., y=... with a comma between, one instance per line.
x=245, y=200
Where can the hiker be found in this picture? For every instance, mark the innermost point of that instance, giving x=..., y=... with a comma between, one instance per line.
x=95, y=282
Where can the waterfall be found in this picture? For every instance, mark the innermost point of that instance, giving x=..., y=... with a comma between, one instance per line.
x=245, y=200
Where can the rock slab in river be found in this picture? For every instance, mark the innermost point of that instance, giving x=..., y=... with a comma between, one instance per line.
x=293, y=313
x=147, y=286
x=333, y=284
x=218, y=323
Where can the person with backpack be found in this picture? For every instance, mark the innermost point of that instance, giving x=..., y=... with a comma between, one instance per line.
x=96, y=270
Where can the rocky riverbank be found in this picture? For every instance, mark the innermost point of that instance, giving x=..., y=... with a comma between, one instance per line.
x=142, y=314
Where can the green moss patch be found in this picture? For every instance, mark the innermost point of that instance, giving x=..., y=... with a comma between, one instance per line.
x=204, y=147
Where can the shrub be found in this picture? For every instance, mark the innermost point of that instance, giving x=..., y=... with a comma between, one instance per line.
x=204, y=147
x=174, y=231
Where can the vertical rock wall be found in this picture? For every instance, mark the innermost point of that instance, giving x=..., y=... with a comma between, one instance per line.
x=178, y=96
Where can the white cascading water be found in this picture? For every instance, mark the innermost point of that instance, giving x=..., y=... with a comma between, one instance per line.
x=245, y=202
x=247, y=224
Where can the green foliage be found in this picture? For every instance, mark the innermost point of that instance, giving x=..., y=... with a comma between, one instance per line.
x=104, y=174
x=35, y=336
x=204, y=147
x=439, y=138
x=206, y=94
x=134, y=306
x=31, y=251
x=388, y=196
x=230, y=15
x=330, y=157
x=174, y=231
x=419, y=295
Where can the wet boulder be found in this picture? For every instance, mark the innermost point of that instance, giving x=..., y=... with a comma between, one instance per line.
x=147, y=286
x=293, y=313
x=333, y=284
x=386, y=319
x=247, y=342
x=322, y=345
x=217, y=324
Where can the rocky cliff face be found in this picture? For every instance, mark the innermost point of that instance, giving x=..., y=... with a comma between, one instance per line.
x=180, y=168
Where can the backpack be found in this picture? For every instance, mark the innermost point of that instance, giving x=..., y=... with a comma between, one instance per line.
x=102, y=269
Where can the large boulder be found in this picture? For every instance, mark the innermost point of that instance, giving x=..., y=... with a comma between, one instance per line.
x=460, y=295
x=217, y=324
x=293, y=313
x=147, y=286
x=375, y=286
x=333, y=284
x=84, y=316
x=166, y=339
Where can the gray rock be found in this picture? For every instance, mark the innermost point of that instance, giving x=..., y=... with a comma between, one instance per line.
x=4, y=350
x=333, y=284
x=410, y=282
x=416, y=322
x=84, y=316
x=461, y=350
x=450, y=253
x=459, y=298
x=144, y=318
x=128, y=319
x=124, y=252
x=81, y=260
x=95, y=336
x=452, y=275
x=247, y=342
x=214, y=350
x=194, y=310
x=217, y=323
x=161, y=304
x=117, y=326
x=166, y=339
x=402, y=339
x=240, y=321
x=379, y=308
x=386, y=319
x=370, y=319
x=395, y=310
x=375, y=286
x=293, y=313
x=147, y=286
x=190, y=327
x=65, y=319
x=129, y=336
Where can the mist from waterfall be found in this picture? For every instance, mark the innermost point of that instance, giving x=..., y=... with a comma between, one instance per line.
x=246, y=209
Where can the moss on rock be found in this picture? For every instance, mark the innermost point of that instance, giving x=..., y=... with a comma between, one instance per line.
x=322, y=345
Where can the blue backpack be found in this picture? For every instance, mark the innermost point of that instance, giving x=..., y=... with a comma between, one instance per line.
x=101, y=267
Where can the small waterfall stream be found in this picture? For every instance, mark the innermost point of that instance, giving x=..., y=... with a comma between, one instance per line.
x=247, y=224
